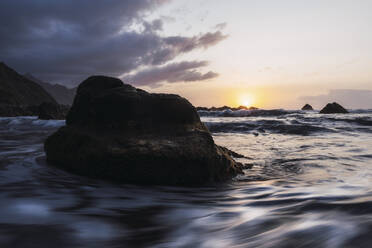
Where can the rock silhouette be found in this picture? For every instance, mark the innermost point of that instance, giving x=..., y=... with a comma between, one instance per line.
x=333, y=108
x=60, y=93
x=224, y=108
x=117, y=132
x=307, y=107
x=16, y=90
x=19, y=96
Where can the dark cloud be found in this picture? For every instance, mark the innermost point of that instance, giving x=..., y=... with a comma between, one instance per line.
x=68, y=40
x=171, y=73
x=155, y=25
x=352, y=99
x=184, y=44
x=176, y=45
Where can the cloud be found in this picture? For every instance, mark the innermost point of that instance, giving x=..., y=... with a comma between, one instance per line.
x=352, y=99
x=174, y=72
x=221, y=26
x=66, y=41
x=175, y=45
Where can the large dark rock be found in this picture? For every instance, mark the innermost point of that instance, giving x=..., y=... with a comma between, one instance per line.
x=333, y=108
x=117, y=132
x=307, y=107
x=52, y=111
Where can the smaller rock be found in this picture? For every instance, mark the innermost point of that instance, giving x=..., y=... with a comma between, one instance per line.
x=202, y=109
x=242, y=108
x=307, y=107
x=224, y=108
x=333, y=108
x=52, y=111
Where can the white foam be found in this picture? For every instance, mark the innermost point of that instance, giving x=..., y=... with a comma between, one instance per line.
x=48, y=123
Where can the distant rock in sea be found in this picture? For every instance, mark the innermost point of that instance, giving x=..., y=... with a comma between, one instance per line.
x=61, y=94
x=120, y=133
x=244, y=108
x=223, y=108
x=202, y=108
x=333, y=108
x=307, y=107
x=219, y=108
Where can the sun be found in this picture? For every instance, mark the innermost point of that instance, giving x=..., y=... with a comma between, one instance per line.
x=246, y=100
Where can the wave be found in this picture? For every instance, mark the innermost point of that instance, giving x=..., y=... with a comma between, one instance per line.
x=264, y=126
x=362, y=121
x=263, y=112
x=30, y=120
x=245, y=113
x=361, y=111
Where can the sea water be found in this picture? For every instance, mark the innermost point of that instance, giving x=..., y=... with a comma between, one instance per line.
x=310, y=185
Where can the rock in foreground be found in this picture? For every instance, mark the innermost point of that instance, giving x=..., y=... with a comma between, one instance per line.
x=307, y=107
x=117, y=132
x=333, y=108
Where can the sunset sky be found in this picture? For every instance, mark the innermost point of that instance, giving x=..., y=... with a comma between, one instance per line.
x=271, y=54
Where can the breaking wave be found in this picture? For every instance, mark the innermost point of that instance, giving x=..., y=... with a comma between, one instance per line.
x=289, y=122
x=256, y=128
x=245, y=113
x=24, y=121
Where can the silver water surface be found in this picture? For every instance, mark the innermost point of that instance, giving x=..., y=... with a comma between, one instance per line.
x=310, y=186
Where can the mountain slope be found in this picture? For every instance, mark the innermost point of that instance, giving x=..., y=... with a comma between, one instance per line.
x=16, y=90
x=62, y=94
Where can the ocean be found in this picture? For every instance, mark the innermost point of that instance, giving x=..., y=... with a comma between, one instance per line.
x=309, y=185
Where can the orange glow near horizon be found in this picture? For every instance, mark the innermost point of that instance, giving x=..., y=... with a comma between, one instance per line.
x=246, y=100
x=253, y=97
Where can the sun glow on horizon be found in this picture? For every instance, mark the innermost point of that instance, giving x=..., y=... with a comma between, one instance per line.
x=246, y=100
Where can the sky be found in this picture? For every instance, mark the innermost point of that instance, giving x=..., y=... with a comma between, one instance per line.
x=266, y=53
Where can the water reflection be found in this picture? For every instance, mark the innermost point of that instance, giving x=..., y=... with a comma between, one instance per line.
x=31, y=209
